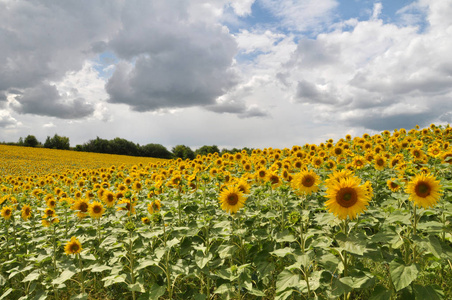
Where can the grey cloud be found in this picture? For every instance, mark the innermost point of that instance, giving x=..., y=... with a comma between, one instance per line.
x=238, y=108
x=177, y=62
x=45, y=100
x=7, y=121
x=307, y=92
x=40, y=41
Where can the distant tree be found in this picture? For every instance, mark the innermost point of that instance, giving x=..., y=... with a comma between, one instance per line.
x=183, y=152
x=31, y=141
x=155, y=150
x=204, y=150
x=57, y=142
x=20, y=142
x=124, y=147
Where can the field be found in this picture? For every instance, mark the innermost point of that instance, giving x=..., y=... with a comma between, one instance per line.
x=359, y=218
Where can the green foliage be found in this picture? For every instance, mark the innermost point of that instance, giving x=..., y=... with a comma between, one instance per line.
x=31, y=141
x=57, y=142
x=182, y=151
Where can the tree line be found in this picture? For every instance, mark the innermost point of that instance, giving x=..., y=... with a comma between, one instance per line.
x=124, y=147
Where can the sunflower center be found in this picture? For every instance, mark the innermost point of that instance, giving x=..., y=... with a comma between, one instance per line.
x=232, y=199
x=307, y=181
x=346, y=197
x=422, y=189
x=274, y=179
x=74, y=248
x=97, y=209
x=83, y=207
x=380, y=162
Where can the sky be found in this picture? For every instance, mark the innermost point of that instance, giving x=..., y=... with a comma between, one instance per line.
x=237, y=73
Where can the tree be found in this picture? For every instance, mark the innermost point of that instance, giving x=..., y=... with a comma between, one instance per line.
x=155, y=150
x=57, y=142
x=31, y=141
x=183, y=152
x=204, y=150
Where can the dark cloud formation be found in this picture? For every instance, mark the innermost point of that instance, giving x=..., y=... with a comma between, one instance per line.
x=168, y=59
x=46, y=101
x=42, y=40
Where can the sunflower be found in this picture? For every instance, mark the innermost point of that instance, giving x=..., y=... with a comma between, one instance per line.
x=447, y=157
x=7, y=212
x=73, y=246
x=261, y=174
x=347, y=197
x=243, y=186
x=274, y=179
x=81, y=205
x=129, y=206
x=424, y=190
x=393, y=185
x=26, y=212
x=359, y=162
x=154, y=206
x=379, y=162
x=232, y=199
x=109, y=198
x=146, y=220
x=137, y=186
x=96, y=210
x=307, y=182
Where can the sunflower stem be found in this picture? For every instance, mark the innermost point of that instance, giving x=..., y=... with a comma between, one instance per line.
x=81, y=273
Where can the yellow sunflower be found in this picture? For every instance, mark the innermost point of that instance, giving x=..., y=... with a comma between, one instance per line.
x=307, y=182
x=424, y=190
x=73, y=246
x=26, y=212
x=154, y=206
x=393, y=185
x=7, y=212
x=347, y=197
x=232, y=199
x=379, y=162
x=109, y=198
x=96, y=210
x=274, y=179
x=81, y=206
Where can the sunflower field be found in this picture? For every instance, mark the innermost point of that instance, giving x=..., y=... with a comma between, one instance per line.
x=360, y=218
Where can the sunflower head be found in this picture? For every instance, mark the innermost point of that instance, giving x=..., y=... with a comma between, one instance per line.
x=306, y=182
x=6, y=212
x=73, y=246
x=96, y=210
x=232, y=199
x=347, y=197
x=424, y=190
x=26, y=212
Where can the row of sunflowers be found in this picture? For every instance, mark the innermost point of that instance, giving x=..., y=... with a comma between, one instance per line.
x=361, y=218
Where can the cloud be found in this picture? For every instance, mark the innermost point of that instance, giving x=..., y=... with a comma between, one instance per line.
x=376, y=75
x=169, y=60
x=308, y=15
x=45, y=100
x=6, y=120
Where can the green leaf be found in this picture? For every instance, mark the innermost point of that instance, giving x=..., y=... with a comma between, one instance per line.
x=146, y=263
x=170, y=244
x=284, y=236
x=430, y=292
x=100, y=268
x=109, y=280
x=402, y=275
x=224, y=288
x=287, y=279
x=156, y=291
x=434, y=246
x=256, y=292
x=202, y=260
x=137, y=287
x=282, y=252
x=8, y=291
x=359, y=281
x=380, y=293
x=83, y=296
x=32, y=276
x=226, y=251
x=67, y=274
